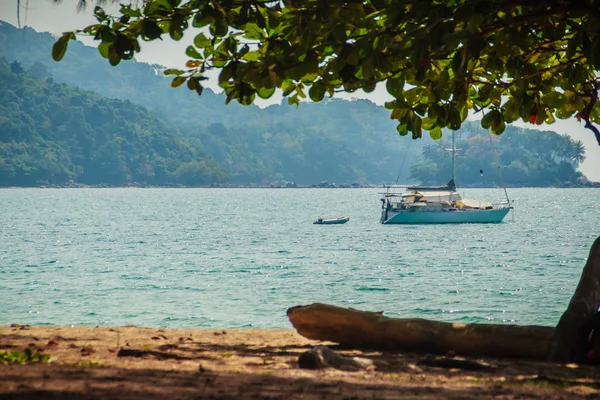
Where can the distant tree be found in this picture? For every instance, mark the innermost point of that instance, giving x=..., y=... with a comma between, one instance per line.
x=200, y=173
x=16, y=67
x=217, y=129
x=532, y=158
x=50, y=134
x=39, y=70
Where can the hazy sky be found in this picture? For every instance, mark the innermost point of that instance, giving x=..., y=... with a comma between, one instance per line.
x=45, y=16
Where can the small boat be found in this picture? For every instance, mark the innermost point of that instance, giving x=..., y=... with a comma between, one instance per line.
x=340, y=220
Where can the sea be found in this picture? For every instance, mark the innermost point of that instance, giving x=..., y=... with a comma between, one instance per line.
x=239, y=258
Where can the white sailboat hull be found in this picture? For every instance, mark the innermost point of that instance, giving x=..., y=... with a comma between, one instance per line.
x=445, y=217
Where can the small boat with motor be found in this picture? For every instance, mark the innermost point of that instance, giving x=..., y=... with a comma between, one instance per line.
x=334, y=221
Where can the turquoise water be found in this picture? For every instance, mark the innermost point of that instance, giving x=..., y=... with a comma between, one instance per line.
x=229, y=258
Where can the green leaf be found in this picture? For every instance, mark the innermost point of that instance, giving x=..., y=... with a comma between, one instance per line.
x=103, y=49
x=220, y=27
x=193, y=53
x=60, y=46
x=172, y=71
x=288, y=86
x=178, y=81
x=488, y=119
x=128, y=11
x=428, y=123
x=106, y=34
x=554, y=99
x=265, y=93
x=254, y=32
x=435, y=111
x=150, y=30
x=176, y=29
x=100, y=14
x=454, y=119
x=201, y=41
x=113, y=57
x=317, y=92
x=498, y=129
x=395, y=86
x=416, y=130
x=573, y=44
x=402, y=129
x=436, y=133
x=252, y=56
x=294, y=100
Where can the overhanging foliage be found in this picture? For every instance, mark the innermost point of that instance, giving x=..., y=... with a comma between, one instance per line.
x=533, y=61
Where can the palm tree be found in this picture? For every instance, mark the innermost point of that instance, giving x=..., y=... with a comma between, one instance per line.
x=577, y=153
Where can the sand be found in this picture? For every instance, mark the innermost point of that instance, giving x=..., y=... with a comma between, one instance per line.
x=149, y=363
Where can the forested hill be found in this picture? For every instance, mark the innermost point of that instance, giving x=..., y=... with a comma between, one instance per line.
x=52, y=134
x=335, y=141
x=528, y=157
x=83, y=67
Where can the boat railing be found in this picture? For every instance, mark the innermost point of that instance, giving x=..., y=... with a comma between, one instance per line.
x=501, y=204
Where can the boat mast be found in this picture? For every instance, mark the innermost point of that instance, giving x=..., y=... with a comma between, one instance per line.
x=499, y=168
x=454, y=156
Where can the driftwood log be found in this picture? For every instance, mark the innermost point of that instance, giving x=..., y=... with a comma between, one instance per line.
x=370, y=330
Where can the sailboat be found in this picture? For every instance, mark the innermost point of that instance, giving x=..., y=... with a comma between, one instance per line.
x=439, y=204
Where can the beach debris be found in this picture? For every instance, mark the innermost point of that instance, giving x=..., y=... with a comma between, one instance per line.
x=167, y=347
x=52, y=343
x=456, y=362
x=321, y=357
x=142, y=353
x=87, y=350
x=20, y=327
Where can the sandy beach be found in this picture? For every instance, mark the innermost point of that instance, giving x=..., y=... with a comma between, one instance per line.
x=148, y=363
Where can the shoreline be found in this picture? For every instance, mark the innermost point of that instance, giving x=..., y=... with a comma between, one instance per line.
x=132, y=362
x=590, y=185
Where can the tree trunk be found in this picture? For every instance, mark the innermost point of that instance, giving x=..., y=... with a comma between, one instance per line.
x=570, y=342
x=369, y=330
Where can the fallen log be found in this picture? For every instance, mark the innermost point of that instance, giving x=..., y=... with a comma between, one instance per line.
x=371, y=330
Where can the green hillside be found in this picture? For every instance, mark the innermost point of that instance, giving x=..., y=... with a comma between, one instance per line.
x=337, y=141
x=528, y=157
x=206, y=141
x=53, y=134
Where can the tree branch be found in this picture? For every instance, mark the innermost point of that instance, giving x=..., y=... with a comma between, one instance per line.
x=585, y=114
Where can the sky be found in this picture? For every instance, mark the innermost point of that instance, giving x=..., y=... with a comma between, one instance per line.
x=46, y=16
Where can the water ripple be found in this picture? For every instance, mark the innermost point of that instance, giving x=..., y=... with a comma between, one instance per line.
x=240, y=257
